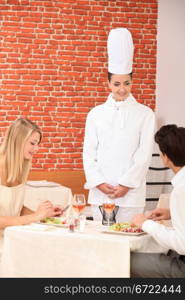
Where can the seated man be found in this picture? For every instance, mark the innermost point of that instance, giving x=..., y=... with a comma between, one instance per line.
x=171, y=141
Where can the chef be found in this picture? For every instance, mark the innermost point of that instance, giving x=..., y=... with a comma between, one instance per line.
x=118, y=138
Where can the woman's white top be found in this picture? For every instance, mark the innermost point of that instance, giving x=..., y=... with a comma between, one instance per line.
x=11, y=203
x=118, y=145
x=172, y=237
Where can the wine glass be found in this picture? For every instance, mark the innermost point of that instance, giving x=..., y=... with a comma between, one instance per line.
x=78, y=203
x=108, y=207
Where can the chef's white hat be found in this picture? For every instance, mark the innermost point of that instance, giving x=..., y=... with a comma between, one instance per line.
x=120, y=51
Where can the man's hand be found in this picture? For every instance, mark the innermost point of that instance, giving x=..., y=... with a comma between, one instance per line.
x=159, y=214
x=106, y=188
x=139, y=220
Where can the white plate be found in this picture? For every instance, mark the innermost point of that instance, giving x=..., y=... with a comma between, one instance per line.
x=123, y=232
x=53, y=224
x=56, y=225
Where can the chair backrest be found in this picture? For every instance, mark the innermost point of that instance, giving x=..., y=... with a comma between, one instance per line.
x=158, y=181
x=163, y=201
x=75, y=180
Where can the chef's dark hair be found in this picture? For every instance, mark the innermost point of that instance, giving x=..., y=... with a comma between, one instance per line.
x=111, y=74
x=171, y=141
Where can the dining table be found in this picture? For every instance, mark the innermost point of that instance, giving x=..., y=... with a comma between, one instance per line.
x=54, y=251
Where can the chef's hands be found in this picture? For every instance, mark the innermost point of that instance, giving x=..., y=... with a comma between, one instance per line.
x=106, y=188
x=119, y=191
x=113, y=191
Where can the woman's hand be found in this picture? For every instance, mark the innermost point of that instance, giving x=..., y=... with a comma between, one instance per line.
x=46, y=209
x=58, y=210
x=159, y=214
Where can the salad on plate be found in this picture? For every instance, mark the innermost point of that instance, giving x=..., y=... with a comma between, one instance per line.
x=57, y=221
x=125, y=227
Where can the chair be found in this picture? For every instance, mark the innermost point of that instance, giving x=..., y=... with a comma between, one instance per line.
x=158, y=182
x=163, y=201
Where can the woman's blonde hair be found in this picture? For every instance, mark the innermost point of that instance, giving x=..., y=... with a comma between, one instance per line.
x=15, y=167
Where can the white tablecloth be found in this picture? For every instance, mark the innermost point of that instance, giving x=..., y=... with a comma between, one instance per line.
x=55, y=252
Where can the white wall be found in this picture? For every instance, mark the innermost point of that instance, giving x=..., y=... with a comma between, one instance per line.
x=170, y=96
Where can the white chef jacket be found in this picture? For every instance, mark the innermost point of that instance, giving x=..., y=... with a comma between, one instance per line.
x=117, y=149
x=172, y=237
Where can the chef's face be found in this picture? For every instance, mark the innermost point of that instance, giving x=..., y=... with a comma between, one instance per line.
x=120, y=86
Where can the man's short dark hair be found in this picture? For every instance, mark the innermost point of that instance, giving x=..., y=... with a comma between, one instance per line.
x=171, y=141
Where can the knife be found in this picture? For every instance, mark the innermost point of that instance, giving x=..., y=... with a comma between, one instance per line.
x=65, y=208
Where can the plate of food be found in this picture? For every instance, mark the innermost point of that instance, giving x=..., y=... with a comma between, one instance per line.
x=54, y=221
x=124, y=228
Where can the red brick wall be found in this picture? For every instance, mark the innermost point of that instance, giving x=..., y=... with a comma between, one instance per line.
x=53, y=65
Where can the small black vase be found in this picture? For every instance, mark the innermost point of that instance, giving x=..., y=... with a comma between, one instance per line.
x=105, y=216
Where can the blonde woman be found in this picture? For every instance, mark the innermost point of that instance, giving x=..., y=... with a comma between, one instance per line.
x=20, y=144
